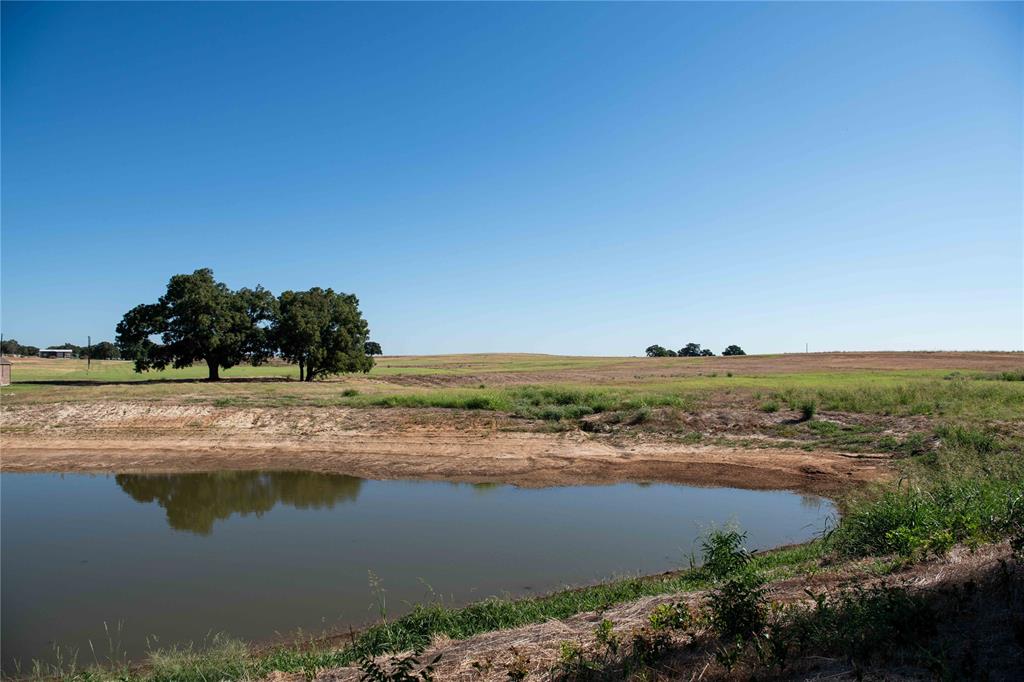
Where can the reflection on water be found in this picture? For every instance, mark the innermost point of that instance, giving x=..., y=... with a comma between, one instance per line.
x=194, y=501
x=254, y=553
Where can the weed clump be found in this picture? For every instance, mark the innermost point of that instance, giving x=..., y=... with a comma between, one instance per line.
x=397, y=668
x=675, y=616
x=724, y=552
x=642, y=415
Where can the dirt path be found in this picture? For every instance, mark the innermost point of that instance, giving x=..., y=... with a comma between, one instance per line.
x=393, y=443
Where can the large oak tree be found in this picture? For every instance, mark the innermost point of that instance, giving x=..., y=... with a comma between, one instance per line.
x=199, y=320
x=323, y=332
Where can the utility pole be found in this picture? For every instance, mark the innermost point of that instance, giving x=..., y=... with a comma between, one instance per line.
x=88, y=353
x=807, y=347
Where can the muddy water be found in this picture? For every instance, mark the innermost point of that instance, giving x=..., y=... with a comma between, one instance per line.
x=253, y=553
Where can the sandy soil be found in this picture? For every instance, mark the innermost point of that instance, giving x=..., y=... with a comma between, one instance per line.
x=394, y=443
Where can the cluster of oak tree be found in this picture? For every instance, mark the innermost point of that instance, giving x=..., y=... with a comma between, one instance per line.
x=199, y=319
x=690, y=350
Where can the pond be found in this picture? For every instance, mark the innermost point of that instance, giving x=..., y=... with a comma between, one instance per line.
x=174, y=557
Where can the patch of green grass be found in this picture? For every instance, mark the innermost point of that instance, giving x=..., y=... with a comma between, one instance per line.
x=551, y=403
x=973, y=440
x=917, y=519
x=970, y=491
x=960, y=397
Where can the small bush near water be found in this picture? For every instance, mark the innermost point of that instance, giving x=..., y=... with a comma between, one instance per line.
x=724, y=552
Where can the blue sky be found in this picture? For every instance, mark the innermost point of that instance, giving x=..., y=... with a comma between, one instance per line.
x=562, y=178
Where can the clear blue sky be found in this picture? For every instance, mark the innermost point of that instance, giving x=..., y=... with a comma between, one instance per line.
x=560, y=178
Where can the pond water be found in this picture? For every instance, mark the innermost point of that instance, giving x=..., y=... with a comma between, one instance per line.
x=254, y=553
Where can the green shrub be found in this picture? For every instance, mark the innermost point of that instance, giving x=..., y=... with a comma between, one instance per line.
x=739, y=607
x=675, y=616
x=770, y=407
x=605, y=636
x=573, y=664
x=724, y=553
x=648, y=646
x=807, y=409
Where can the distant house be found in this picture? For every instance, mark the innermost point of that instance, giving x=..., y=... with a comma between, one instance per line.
x=66, y=353
x=5, y=371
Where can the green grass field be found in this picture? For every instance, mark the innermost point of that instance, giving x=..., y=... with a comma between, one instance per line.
x=548, y=387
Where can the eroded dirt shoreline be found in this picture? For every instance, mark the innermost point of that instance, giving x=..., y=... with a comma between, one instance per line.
x=464, y=446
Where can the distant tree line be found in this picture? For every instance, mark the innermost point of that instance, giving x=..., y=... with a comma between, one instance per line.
x=690, y=350
x=199, y=319
x=12, y=347
x=104, y=350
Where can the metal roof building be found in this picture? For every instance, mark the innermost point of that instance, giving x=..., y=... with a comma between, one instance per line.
x=55, y=352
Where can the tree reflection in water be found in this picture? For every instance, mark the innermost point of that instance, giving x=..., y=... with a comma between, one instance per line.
x=194, y=501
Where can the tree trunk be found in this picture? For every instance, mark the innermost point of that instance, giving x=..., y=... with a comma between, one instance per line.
x=309, y=373
x=214, y=370
x=302, y=367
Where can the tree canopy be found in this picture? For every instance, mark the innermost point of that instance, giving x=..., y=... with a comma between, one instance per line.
x=104, y=350
x=690, y=350
x=733, y=350
x=693, y=350
x=12, y=347
x=322, y=331
x=199, y=320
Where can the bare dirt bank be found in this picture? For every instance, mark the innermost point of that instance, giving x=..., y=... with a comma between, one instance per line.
x=393, y=443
